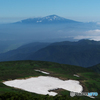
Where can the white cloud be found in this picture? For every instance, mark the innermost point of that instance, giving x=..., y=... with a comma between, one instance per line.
x=96, y=38
x=81, y=37
x=98, y=23
x=93, y=32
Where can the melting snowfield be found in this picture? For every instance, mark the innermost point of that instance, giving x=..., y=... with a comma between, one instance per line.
x=76, y=75
x=42, y=85
x=42, y=71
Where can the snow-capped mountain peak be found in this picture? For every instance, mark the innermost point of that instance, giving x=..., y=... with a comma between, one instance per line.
x=54, y=19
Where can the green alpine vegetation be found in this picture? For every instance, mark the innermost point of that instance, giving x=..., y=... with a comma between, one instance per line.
x=96, y=68
x=24, y=69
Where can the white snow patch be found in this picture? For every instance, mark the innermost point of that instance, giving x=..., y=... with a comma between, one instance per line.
x=39, y=21
x=42, y=85
x=51, y=19
x=76, y=75
x=91, y=97
x=47, y=17
x=42, y=71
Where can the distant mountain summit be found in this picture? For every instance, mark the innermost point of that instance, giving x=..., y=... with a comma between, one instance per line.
x=53, y=19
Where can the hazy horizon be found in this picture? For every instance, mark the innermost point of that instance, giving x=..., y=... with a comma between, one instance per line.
x=78, y=10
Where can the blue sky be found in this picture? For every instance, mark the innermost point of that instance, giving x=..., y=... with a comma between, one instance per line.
x=80, y=10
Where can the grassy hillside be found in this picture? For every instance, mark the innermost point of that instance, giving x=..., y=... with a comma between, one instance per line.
x=24, y=69
x=95, y=68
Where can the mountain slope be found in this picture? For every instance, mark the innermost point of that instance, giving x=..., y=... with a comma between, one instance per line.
x=25, y=69
x=9, y=45
x=95, y=68
x=82, y=53
x=53, y=19
x=22, y=52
